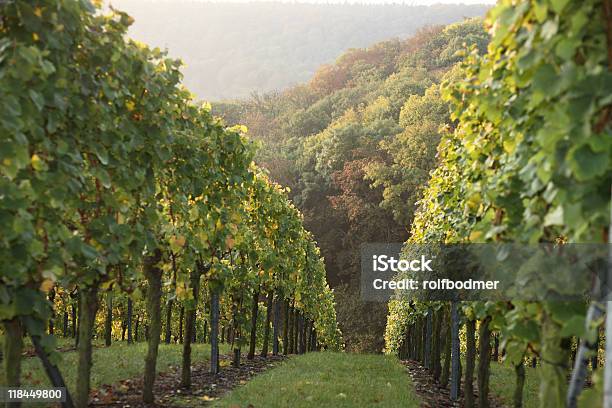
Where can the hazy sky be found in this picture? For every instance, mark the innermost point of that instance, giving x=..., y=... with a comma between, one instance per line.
x=232, y=49
x=409, y=2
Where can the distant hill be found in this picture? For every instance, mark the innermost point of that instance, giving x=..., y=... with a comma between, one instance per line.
x=232, y=49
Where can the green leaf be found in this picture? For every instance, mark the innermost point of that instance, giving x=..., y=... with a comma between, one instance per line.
x=564, y=311
x=558, y=5
x=89, y=251
x=11, y=106
x=102, y=175
x=586, y=164
x=101, y=153
x=37, y=98
x=515, y=351
x=526, y=330
x=566, y=48
x=575, y=326
x=544, y=79
x=540, y=10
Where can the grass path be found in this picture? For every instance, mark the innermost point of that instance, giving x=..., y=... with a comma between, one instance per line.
x=328, y=380
x=312, y=380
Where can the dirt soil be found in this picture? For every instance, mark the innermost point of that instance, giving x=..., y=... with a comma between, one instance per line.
x=433, y=395
x=205, y=387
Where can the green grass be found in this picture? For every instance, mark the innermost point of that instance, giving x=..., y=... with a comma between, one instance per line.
x=503, y=380
x=328, y=380
x=60, y=343
x=112, y=364
x=310, y=380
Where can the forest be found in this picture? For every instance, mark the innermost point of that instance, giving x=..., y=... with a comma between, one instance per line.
x=157, y=250
x=355, y=145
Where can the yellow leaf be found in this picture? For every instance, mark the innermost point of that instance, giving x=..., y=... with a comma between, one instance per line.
x=130, y=105
x=106, y=285
x=38, y=12
x=203, y=237
x=36, y=161
x=229, y=242
x=194, y=213
x=35, y=37
x=236, y=218
x=475, y=235
x=240, y=128
x=47, y=285
x=177, y=242
x=474, y=201
x=181, y=291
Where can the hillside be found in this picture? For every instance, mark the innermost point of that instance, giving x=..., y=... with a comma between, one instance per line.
x=232, y=49
x=356, y=144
